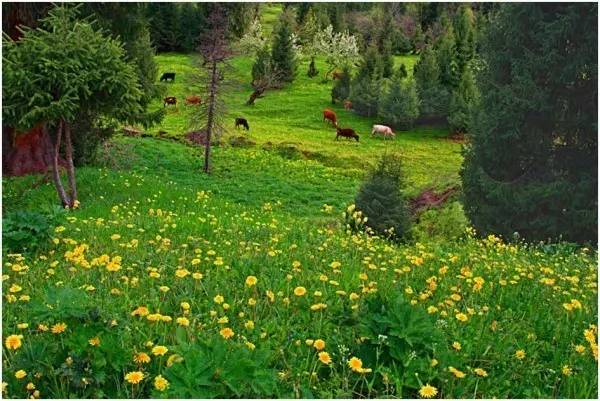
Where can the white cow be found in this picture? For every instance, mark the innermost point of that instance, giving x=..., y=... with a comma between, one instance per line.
x=384, y=130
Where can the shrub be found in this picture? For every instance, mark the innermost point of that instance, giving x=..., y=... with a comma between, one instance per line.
x=24, y=231
x=283, y=53
x=444, y=224
x=381, y=200
x=341, y=88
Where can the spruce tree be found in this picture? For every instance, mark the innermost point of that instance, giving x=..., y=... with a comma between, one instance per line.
x=462, y=102
x=380, y=198
x=433, y=97
x=262, y=64
x=531, y=166
x=464, y=33
x=365, y=88
x=282, y=53
x=445, y=48
x=399, y=106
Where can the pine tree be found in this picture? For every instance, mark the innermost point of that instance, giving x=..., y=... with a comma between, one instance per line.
x=261, y=65
x=365, y=88
x=282, y=53
x=462, y=102
x=380, y=198
x=531, y=166
x=399, y=106
x=433, y=97
x=445, y=49
x=464, y=29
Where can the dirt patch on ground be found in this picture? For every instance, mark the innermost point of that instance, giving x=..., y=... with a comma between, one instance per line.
x=430, y=198
x=456, y=137
x=241, y=142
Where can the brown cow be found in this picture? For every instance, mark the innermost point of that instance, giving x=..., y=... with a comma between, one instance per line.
x=346, y=133
x=347, y=104
x=193, y=100
x=330, y=115
x=170, y=100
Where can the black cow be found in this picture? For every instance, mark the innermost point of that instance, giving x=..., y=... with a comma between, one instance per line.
x=243, y=122
x=167, y=76
x=170, y=100
x=346, y=133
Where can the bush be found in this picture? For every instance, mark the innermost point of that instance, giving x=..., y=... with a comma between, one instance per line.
x=341, y=88
x=444, y=224
x=400, y=105
x=24, y=231
x=381, y=200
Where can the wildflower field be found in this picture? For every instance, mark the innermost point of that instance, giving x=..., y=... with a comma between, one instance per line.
x=248, y=282
x=165, y=284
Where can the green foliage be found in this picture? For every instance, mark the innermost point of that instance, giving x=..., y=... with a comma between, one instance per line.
x=24, y=231
x=262, y=65
x=212, y=370
x=446, y=53
x=463, y=100
x=341, y=87
x=283, y=53
x=63, y=69
x=433, y=96
x=312, y=69
x=380, y=199
x=531, y=166
x=365, y=89
x=402, y=340
x=464, y=28
x=399, y=106
x=447, y=223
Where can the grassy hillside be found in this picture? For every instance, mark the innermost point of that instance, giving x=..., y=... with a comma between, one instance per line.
x=220, y=286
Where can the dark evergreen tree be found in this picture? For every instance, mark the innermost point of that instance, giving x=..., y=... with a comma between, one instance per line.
x=191, y=21
x=402, y=71
x=531, y=166
x=341, y=88
x=380, y=198
x=282, y=53
x=445, y=49
x=462, y=102
x=261, y=65
x=399, y=106
x=464, y=34
x=365, y=88
x=164, y=23
x=433, y=97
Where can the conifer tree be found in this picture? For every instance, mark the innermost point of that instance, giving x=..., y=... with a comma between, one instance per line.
x=399, y=106
x=433, y=97
x=461, y=103
x=365, y=88
x=341, y=88
x=445, y=49
x=282, y=53
x=531, y=166
x=464, y=33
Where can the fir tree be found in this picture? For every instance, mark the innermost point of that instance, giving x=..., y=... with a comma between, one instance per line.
x=445, y=49
x=365, y=88
x=464, y=29
x=531, y=166
x=399, y=107
x=433, y=97
x=462, y=102
x=341, y=88
x=380, y=198
x=282, y=53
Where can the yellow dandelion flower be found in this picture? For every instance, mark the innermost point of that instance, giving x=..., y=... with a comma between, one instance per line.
x=134, y=377
x=299, y=291
x=13, y=341
x=94, y=342
x=19, y=374
x=183, y=321
x=160, y=350
x=319, y=344
x=226, y=333
x=428, y=391
x=249, y=325
x=160, y=383
x=566, y=370
x=141, y=357
x=520, y=354
x=251, y=281
x=480, y=372
x=580, y=349
x=355, y=364
x=218, y=299
x=175, y=358
x=59, y=328
x=324, y=357
x=456, y=345
x=115, y=237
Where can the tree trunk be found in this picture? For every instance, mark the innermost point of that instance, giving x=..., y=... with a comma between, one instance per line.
x=55, y=172
x=255, y=95
x=211, y=115
x=70, y=165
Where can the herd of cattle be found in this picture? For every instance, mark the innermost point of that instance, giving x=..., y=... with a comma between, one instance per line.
x=328, y=115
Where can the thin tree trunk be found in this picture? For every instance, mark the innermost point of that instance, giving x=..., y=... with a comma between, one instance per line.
x=55, y=172
x=210, y=117
x=70, y=165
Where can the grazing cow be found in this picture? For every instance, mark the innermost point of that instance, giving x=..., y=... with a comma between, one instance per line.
x=243, y=122
x=346, y=133
x=167, y=76
x=193, y=100
x=170, y=100
x=338, y=74
x=347, y=104
x=384, y=130
x=330, y=115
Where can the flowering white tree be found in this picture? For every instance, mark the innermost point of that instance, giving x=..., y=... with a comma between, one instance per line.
x=254, y=39
x=337, y=47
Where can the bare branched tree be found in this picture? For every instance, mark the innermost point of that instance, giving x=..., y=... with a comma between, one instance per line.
x=215, y=52
x=270, y=79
